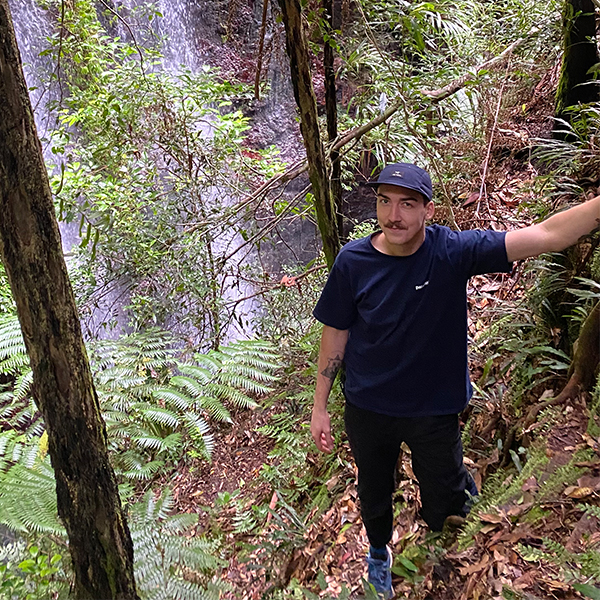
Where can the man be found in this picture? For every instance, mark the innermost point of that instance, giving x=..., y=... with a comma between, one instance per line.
x=394, y=310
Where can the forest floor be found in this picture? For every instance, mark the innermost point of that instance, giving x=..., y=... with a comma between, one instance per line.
x=331, y=553
x=535, y=534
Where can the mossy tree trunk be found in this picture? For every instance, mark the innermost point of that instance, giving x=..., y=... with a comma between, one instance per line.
x=331, y=112
x=586, y=357
x=580, y=54
x=30, y=248
x=297, y=49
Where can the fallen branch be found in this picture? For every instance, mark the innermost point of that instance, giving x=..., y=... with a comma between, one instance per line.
x=457, y=84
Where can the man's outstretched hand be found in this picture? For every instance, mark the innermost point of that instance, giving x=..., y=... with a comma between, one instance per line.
x=320, y=428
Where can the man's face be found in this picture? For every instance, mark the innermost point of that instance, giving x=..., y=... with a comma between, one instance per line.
x=402, y=214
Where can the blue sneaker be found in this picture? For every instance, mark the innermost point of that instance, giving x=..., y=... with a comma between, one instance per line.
x=380, y=576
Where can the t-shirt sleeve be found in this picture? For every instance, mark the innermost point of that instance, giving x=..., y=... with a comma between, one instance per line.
x=336, y=306
x=483, y=252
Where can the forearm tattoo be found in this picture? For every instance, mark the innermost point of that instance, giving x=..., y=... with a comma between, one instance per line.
x=333, y=366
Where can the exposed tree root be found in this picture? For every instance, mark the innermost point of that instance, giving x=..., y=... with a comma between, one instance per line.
x=580, y=377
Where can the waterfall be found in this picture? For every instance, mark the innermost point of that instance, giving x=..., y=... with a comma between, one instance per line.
x=183, y=26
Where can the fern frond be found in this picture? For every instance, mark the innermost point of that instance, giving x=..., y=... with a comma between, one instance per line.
x=28, y=499
x=173, y=396
x=11, y=338
x=225, y=392
x=157, y=414
x=592, y=510
x=190, y=385
x=257, y=372
x=22, y=386
x=200, y=432
x=214, y=407
x=210, y=361
x=158, y=444
x=243, y=382
x=168, y=562
x=137, y=468
x=14, y=363
x=199, y=373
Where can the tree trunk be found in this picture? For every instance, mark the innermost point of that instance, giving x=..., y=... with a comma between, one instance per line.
x=297, y=49
x=580, y=55
x=30, y=248
x=585, y=358
x=331, y=112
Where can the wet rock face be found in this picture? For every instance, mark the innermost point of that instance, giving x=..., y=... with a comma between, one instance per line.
x=359, y=206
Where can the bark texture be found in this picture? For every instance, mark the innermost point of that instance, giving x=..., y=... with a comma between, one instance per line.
x=297, y=49
x=580, y=55
x=586, y=358
x=30, y=248
x=332, y=121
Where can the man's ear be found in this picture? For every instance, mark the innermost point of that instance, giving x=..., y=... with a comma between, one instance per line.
x=430, y=210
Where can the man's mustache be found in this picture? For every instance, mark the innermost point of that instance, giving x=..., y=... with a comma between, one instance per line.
x=394, y=224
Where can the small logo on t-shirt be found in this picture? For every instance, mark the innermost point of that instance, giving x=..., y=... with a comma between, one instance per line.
x=420, y=287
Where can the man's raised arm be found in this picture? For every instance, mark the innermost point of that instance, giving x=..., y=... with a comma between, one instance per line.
x=331, y=355
x=554, y=234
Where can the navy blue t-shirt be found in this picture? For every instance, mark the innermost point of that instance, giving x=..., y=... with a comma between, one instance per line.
x=407, y=319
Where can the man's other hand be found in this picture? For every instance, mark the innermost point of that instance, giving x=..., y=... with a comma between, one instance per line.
x=320, y=428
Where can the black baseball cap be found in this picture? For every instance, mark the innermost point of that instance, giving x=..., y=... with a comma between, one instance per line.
x=405, y=175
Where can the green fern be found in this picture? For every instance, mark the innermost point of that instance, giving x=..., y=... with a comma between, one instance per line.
x=156, y=407
x=13, y=354
x=592, y=510
x=575, y=567
x=498, y=490
x=169, y=562
x=27, y=489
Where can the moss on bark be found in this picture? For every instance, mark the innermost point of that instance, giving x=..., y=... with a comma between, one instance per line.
x=30, y=247
x=580, y=54
x=297, y=49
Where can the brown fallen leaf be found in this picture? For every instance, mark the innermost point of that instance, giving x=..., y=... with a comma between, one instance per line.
x=490, y=287
x=490, y=518
x=473, y=197
x=555, y=585
x=476, y=568
x=588, y=463
x=578, y=492
x=519, y=509
x=489, y=527
x=530, y=484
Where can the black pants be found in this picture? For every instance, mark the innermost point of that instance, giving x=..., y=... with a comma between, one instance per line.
x=437, y=462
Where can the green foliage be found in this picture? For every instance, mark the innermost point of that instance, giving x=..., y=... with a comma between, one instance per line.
x=28, y=572
x=499, y=489
x=151, y=169
x=169, y=561
x=28, y=499
x=579, y=155
x=286, y=315
x=575, y=567
x=394, y=50
x=157, y=407
x=13, y=354
x=7, y=305
x=593, y=427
